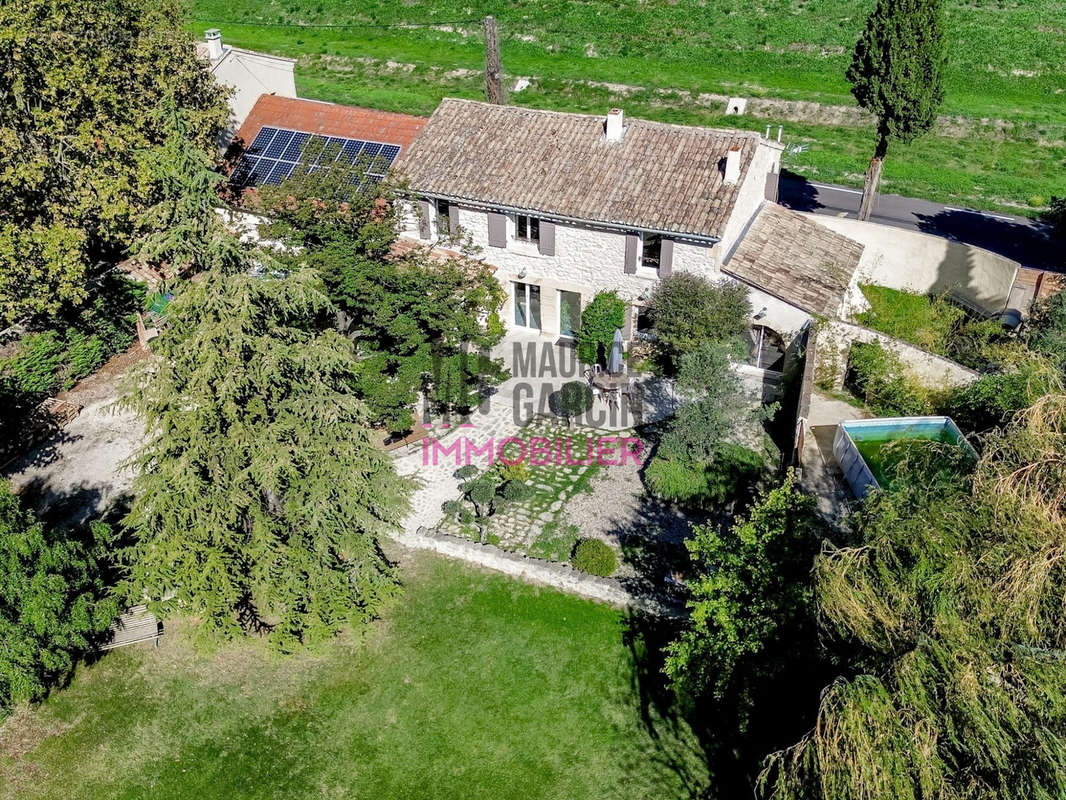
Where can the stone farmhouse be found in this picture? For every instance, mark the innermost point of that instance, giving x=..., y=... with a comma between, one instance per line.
x=566, y=205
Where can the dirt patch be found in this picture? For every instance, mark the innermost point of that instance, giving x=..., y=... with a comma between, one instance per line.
x=79, y=472
x=24, y=730
x=103, y=384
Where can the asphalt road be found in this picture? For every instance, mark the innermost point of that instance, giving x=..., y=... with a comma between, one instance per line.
x=1019, y=238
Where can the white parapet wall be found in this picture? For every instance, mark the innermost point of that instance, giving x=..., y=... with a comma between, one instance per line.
x=920, y=262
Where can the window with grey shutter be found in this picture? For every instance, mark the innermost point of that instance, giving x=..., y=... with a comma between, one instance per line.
x=425, y=210
x=632, y=251
x=497, y=230
x=547, y=238
x=666, y=258
x=453, y=218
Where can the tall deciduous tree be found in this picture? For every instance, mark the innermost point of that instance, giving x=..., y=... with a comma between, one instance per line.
x=260, y=498
x=420, y=322
x=895, y=74
x=751, y=593
x=54, y=600
x=80, y=86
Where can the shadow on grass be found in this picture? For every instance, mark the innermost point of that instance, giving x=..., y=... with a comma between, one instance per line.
x=730, y=735
x=770, y=704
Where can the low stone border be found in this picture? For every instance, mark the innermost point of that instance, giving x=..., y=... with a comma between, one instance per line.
x=558, y=576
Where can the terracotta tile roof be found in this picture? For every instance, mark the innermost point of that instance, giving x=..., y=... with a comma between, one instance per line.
x=799, y=261
x=330, y=119
x=659, y=177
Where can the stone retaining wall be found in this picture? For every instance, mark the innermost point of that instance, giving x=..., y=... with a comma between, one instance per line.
x=930, y=370
x=558, y=576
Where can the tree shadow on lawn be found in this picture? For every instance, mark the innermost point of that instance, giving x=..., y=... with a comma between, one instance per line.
x=774, y=701
x=731, y=735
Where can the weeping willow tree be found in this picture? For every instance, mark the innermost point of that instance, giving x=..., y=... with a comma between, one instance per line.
x=259, y=496
x=952, y=603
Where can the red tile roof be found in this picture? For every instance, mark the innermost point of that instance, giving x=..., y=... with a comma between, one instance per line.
x=330, y=119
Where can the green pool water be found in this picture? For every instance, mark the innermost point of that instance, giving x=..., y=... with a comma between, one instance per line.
x=884, y=450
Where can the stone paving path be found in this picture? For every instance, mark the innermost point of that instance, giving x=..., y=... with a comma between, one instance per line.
x=516, y=402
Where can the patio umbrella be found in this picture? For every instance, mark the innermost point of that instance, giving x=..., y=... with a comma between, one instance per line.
x=614, y=363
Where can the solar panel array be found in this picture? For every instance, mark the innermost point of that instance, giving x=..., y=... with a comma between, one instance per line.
x=276, y=153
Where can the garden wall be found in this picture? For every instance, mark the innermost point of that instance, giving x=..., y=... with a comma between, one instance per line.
x=919, y=262
x=930, y=370
x=558, y=576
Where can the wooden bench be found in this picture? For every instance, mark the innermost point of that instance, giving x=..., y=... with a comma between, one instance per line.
x=137, y=624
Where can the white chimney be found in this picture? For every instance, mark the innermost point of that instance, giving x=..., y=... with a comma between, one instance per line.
x=214, y=44
x=615, y=125
x=732, y=166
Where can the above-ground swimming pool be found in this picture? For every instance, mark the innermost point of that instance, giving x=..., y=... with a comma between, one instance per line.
x=860, y=445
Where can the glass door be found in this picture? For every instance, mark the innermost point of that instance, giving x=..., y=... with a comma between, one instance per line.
x=569, y=313
x=526, y=305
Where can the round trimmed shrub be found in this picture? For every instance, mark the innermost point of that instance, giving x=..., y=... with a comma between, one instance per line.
x=595, y=557
x=466, y=472
x=516, y=491
x=452, y=508
x=572, y=400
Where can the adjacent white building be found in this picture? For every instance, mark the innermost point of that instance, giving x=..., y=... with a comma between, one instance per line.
x=247, y=73
x=567, y=205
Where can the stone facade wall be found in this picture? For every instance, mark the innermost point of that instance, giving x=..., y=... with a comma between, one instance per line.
x=930, y=370
x=587, y=260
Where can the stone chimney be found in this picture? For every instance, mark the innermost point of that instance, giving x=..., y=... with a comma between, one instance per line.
x=615, y=129
x=214, y=44
x=732, y=166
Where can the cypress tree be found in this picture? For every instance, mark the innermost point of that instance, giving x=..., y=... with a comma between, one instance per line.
x=895, y=74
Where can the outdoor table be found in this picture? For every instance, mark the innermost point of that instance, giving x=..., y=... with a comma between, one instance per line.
x=609, y=383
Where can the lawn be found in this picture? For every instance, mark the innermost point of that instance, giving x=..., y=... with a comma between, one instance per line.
x=471, y=686
x=940, y=326
x=1004, y=78
x=928, y=322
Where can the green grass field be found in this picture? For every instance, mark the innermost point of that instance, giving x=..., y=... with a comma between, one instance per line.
x=1004, y=145
x=471, y=686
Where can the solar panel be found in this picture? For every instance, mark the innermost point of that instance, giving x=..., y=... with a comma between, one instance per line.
x=275, y=154
x=262, y=139
x=295, y=146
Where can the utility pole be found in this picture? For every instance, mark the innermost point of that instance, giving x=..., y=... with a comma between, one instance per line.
x=494, y=91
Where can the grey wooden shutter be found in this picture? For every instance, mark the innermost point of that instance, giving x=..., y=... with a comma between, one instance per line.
x=547, y=238
x=666, y=258
x=426, y=214
x=497, y=230
x=453, y=218
x=632, y=248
